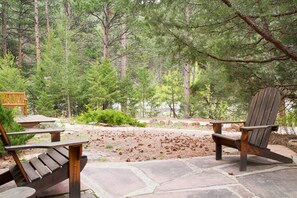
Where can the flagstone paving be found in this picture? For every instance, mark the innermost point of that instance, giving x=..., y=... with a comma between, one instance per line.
x=185, y=178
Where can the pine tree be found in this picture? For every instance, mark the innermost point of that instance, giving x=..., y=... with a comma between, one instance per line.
x=102, y=83
x=10, y=77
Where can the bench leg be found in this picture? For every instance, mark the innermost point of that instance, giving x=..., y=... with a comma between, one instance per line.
x=75, y=153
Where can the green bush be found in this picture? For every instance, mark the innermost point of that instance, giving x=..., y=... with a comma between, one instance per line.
x=110, y=117
x=10, y=125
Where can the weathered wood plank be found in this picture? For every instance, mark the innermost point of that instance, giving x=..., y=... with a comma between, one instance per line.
x=40, y=167
x=63, y=151
x=50, y=163
x=31, y=173
x=59, y=158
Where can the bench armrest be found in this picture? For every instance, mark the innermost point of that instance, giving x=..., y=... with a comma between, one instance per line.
x=251, y=128
x=47, y=145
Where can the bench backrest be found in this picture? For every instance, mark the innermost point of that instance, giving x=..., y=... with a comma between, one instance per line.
x=14, y=99
x=263, y=111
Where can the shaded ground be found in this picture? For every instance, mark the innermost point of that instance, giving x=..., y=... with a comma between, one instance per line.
x=176, y=139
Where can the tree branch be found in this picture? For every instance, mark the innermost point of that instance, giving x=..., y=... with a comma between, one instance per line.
x=279, y=58
x=291, y=53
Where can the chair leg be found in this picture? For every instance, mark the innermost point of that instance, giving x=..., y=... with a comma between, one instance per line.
x=218, y=151
x=243, y=161
x=74, y=170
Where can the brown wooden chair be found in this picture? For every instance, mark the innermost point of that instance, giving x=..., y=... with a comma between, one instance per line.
x=50, y=168
x=256, y=131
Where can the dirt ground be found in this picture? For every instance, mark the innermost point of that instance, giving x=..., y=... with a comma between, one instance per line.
x=160, y=140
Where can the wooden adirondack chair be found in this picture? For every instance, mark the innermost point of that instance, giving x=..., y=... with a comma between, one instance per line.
x=256, y=131
x=50, y=168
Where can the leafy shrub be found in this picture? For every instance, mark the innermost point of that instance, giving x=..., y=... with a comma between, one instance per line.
x=10, y=125
x=110, y=117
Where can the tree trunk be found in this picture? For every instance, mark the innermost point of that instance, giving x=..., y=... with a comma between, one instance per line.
x=186, y=89
x=106, y=27
x=173, y=102
x=124, y=47
x=68, y=12
x=69, y=115
x=37, y=42
x=20, y=55
x=4, y=28
x=187, y=71
x=47, y=19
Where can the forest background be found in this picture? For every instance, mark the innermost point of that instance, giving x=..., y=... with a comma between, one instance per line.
x=179, y=58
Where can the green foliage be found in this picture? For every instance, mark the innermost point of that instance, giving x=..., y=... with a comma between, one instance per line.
x=212, y=94
x=108, y=116
x=128, y=94
x=146, y=92
x=171, y=90
x=9, y=124
x=102, y=82
x=10, y=77
x=57, y=80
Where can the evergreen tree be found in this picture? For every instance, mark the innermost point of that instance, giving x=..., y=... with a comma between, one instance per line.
x=57, y=79
x=146, y=93
x=10, y=77
x=171, y=90
x=102, y=82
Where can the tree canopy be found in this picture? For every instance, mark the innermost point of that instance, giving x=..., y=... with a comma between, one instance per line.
x=194, y=58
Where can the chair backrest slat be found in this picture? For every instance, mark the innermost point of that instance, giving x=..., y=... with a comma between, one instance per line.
x=263, y=111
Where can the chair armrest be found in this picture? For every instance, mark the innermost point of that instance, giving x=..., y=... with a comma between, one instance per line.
x=226, y=122
x=37, y=131
x=47, y=145
x=217, y=125
x=251, y=128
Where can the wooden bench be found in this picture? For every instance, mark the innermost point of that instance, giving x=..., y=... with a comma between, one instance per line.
x=14, y=99
x=33, y=121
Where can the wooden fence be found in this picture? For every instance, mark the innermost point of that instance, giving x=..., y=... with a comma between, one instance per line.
x=14, y=99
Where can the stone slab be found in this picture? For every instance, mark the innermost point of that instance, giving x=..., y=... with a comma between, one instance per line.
x=274, y=184
x=116, y=182
x=241, y=190
x=163, y=171
x=282, y=150
x=254, y=163
x=222, y=193
x=209, y=162
x=204, y=179
x=230, y=150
